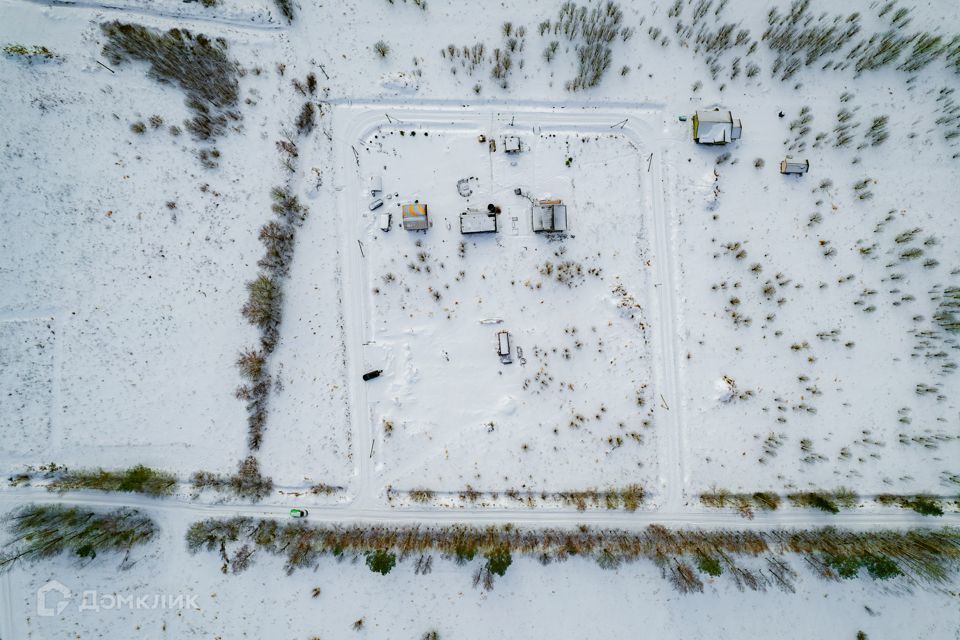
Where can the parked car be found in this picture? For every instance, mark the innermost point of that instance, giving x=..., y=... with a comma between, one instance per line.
x=298, y=513
x=376, y=204
x=385, y=220
x=370, y=375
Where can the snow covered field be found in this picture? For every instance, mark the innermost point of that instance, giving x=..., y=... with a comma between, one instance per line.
x=704, y=323
x=447, y=413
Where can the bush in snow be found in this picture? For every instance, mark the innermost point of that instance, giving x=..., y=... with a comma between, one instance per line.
x=307, y=118
x=381, y=562
x=247, y=482
x=286, y=9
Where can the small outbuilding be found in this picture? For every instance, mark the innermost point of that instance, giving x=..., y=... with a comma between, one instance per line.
x=376, y=185
x=549, y=216
x=715, y=127
x=478, y=222
x=511, y=144
x=503, y=346
x=794, y=167
x=415, y=217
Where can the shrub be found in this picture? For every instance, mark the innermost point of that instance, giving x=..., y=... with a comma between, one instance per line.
x=247, y=482
x=263, y=303
x=197, y=64
x=252, y=365
x=30, y=53
x=381, y=48
x=381, y=562
x=277, y=239
x=498, y=561
x=632, y=497
x=138, y=127
x=287, y=206
x=922, y=504
x=307, y=118
x=824, y=501
x=138, y=479
x=709, y=565
x=848, y=567
x=421, y=495
x=286, y=9
x=44, y=531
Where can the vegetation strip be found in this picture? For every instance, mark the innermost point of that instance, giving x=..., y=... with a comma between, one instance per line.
x=44, y=531
x=137, y=479
x=920, y=556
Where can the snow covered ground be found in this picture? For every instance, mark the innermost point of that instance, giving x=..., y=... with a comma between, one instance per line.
x=780, y=330
x=447, y=413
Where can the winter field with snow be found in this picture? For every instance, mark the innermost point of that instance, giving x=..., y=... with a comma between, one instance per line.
x=196, y=275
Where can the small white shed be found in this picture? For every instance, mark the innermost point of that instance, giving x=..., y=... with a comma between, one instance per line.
x=478, y=222
x=511, y=144
x=503, y=346
x=376, y=185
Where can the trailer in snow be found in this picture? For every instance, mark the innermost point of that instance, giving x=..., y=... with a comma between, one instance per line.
x=376, y=185
x=503, y=346
x=478, y=222
x=794, y=167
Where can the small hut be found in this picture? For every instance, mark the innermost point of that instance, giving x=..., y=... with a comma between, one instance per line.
x=415, y=217
x=478, y=222
x=715, y=127
x=511, y=144
x=794, y=167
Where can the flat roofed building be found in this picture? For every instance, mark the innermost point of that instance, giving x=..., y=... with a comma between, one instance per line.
x=549, y=216
x=478, y=222
x=415, y=216
x=715, y=127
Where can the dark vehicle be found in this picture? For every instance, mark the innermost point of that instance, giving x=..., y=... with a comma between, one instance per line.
x=370, y=375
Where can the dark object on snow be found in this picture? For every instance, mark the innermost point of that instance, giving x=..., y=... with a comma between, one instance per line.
x=370, y=375
x=503, y=346
x=780, y=114
x=517, y=191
